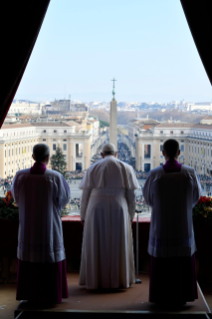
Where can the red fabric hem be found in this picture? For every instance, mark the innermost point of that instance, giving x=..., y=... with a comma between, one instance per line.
x=42, y=282
x=173, y=280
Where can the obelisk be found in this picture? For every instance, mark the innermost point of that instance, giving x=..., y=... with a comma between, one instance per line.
x=113, y=117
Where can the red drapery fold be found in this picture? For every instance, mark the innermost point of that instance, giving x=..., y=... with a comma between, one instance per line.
x=20, y=23
x=198, y=15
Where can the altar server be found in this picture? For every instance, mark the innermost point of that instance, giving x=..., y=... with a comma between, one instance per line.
x=40, y=194
x=108, y=207
x=172, y=190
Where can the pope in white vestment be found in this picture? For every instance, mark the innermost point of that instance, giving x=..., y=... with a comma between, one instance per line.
x=108, y=207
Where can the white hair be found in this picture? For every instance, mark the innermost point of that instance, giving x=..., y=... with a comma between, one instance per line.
x=40, y=152
x=109, y=149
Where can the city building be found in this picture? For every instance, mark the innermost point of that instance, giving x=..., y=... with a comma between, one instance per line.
x=195, y=145
x=25, y=107
x=65, y=106
x=17, y=141
x=139, y=124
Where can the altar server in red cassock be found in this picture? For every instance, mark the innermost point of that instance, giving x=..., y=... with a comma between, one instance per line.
x=172, y=190
x=40, y=194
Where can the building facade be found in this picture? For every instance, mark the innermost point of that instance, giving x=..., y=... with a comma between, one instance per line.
x=195, y=145
x=17, y=141
x=24, y=107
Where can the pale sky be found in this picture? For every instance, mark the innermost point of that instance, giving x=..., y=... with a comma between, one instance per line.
x=145, y=44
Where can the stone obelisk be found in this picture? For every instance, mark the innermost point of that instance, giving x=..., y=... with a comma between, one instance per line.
x=113, y=117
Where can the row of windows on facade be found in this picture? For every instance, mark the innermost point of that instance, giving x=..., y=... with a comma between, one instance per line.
x=181, y=147
x=27, y=132
x=17, y=133
x=22, y=161
x=54, y=147
x=15, y=162
x=147, y=149
x=202, y=152
x=55, y=131
x=24, y=149
x=194, y=133
x=197, y=160
x=172, y=132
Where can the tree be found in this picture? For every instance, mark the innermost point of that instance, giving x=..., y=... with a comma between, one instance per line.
x=58, y=162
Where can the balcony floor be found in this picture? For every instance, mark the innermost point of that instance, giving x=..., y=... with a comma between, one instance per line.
x=133, y=299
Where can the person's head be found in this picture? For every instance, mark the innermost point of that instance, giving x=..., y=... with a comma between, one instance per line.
x=171, y=149
x=41, y=153
x=109, y=149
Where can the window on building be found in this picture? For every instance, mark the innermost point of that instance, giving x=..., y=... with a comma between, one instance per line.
x=5, y=153
x=44, y=131
x=182, y=141
x=181, y=132
x=55, y=131
x=182, y=148
x=147, y=167
x=54, y=146
x=78, y=167
x=44, y=140
x=79, y=148
x=147, y=151
x=65, y=147
x=65, y=131
x=161, y=147
x=161, y=132
x=64, y=140
x=171, y=132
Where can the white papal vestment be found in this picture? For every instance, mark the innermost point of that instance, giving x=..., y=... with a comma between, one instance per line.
x=108, y=206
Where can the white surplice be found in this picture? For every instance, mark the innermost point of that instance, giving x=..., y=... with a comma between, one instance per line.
x=172, y=197
x=40, y=199
x=108, y=206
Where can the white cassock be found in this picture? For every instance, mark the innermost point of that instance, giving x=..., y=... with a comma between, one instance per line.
x=40, y=199
x=172, y=197
x=108, y=207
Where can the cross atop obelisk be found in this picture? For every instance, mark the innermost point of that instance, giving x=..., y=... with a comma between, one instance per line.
x=114, y=92
x=113, y=117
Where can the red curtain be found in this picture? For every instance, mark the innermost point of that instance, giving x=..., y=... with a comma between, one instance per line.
x=20, y=23
x=198, y=15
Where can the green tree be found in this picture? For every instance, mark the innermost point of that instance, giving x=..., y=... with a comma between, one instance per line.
x=58, y=162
